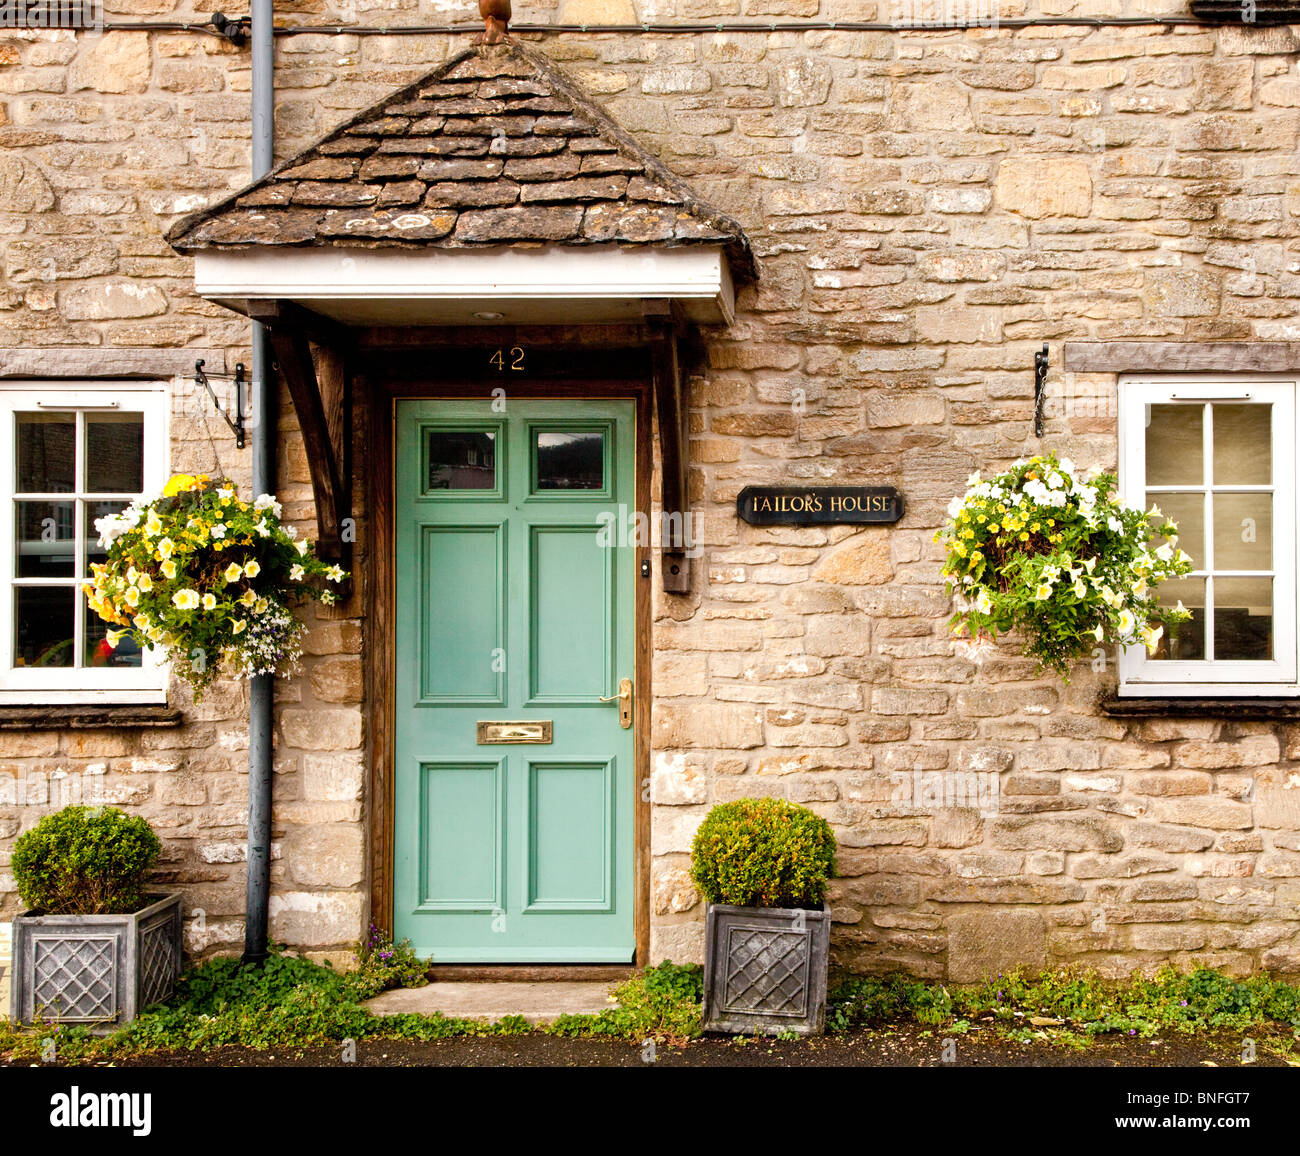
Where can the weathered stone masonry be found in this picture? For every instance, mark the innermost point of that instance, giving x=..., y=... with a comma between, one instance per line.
x=927, y=208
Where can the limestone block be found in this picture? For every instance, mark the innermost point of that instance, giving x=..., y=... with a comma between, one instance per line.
x=672, y=889
x=1045, y=187
x=984, y=944
x=677, y=780
x=932, y=106
x=113, y=299
x=119, y=62
x=23, y=187
x=678, y=942
x=862, y=560
x=338, y=679
x=690, y=725
x=321, y=729
x=316, y=919
x=327, y=856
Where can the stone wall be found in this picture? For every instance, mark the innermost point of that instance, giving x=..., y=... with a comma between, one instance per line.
x=928, y=207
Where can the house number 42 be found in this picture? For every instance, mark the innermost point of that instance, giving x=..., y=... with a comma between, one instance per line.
x=501, y=360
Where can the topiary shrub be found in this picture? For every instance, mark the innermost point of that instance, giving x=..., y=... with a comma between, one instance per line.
x=763, y=853
x=85, y=861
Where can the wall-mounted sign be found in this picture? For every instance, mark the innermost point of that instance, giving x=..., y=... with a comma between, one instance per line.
x=818, y=505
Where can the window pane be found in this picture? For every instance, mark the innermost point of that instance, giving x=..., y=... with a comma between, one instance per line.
x=45, y=539
x=1243, y=532
x=92, y=551
x=47, y=453
x=99, y=653
x=1174, y=453
x=115, y=453
x=43, y=626
x=570, y=461
x=1187, y=511
x=1184, y=641
x=462, y=460
x=1243, y=619
x=1243, y=445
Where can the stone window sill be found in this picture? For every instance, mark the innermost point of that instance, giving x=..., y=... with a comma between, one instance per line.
x=1236, y=709
x=57, y=718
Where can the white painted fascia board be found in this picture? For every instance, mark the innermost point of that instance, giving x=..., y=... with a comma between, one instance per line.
x=551, y=273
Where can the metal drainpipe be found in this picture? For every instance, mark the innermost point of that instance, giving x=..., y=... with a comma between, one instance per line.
x=261, y=695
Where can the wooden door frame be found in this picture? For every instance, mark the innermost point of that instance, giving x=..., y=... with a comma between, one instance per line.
x=570, y=363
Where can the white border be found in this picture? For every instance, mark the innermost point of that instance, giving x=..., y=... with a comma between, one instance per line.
x=24, y=686
x=696, y=275
x=1278, y=678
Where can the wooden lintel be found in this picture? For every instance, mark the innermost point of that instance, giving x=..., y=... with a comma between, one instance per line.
x=670, y=408
x=320, y=402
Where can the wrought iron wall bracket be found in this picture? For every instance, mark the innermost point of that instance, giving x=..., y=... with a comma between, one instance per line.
x=1040, y=388
x=670, y=404
x=236, y=423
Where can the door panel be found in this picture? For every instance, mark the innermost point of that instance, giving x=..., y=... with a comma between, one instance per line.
x=513, y=604
x=459, y=638
x=461, y=812
x=572, y=584
x=570, y=837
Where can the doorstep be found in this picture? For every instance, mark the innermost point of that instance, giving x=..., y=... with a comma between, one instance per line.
x=536, y=1002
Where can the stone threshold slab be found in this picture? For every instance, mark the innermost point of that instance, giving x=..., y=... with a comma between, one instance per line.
x=536, y=1002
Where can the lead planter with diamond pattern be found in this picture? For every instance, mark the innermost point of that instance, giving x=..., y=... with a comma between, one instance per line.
x=96, y=970
x=765, y=969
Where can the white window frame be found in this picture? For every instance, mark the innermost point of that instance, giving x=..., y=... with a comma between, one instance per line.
x=29, y=686
x=1140, y=676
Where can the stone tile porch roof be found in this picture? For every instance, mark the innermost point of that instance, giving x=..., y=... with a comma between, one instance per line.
x=496, y=147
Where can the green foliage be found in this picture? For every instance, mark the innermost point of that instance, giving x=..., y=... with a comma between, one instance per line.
x=289, y=1002
x=383, y=964
x=1201, y=1000
x=763, y=853
x=85, y=861
x=1046, y=551
x=663, y=1002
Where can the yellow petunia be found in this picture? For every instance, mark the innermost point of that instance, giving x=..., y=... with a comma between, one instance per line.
x=182, y=483
x=232, y=572
x=169, y=569
x=252, y=568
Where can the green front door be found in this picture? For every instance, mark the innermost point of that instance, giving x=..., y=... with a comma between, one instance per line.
x=515, y=618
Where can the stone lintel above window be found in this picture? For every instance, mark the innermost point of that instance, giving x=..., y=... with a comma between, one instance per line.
x=1181, y=356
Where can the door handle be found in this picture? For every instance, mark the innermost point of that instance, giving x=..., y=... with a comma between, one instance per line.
x=624, y=697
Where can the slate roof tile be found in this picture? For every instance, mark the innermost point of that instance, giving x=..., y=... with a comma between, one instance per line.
x=496, y=146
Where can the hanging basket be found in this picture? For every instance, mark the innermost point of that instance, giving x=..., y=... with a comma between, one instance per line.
x=208, y=580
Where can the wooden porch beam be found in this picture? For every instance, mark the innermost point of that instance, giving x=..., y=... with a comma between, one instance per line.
x=321, y=405
x=671, y=410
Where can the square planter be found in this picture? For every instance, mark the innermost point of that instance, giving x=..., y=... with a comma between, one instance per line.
x=97, y=970
x=765, y=969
